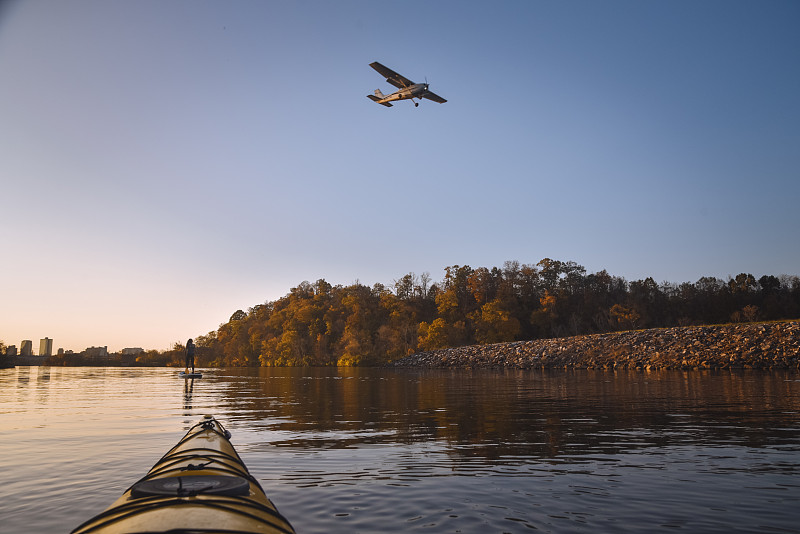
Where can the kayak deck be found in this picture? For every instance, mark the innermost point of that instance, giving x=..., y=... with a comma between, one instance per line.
x=200, y=485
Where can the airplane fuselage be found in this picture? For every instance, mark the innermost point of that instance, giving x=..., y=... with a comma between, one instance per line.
x=412, y=91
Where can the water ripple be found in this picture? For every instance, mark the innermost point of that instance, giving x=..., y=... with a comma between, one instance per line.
x=377, y=450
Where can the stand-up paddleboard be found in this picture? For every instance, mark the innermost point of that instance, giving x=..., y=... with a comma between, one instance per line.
x=184, y=374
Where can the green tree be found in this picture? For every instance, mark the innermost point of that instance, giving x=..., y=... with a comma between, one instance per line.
x=646, y=298
x=769, y=284
x=550, y=272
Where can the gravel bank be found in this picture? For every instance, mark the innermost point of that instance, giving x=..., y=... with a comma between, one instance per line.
x=735, y=346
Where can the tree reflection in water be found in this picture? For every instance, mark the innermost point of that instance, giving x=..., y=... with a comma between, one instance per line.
x=504, y=414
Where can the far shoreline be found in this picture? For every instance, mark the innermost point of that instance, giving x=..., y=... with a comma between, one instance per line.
x=764, y=345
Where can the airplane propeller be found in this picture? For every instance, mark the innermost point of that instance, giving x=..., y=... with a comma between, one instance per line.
x=425, y=85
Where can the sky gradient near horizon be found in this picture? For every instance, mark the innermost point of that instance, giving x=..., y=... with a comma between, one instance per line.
x=163, y=164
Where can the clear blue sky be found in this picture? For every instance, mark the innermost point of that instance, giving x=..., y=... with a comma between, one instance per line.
x=163, y=164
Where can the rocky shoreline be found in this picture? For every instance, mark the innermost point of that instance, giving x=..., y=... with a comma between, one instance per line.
x=733, y=346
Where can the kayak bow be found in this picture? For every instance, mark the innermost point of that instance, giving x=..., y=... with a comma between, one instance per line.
x=200, y=486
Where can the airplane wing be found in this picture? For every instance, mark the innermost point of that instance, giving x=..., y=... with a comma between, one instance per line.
x=434, y=97
x=391, y=76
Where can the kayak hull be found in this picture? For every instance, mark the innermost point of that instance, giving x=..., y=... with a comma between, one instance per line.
x=200, y=485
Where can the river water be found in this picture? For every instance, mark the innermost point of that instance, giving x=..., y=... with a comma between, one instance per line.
x=377, y=450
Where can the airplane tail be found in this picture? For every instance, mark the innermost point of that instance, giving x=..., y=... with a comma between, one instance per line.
x=377, y=98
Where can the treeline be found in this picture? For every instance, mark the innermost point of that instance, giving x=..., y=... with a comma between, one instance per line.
x=321, y=324
x=174, y=357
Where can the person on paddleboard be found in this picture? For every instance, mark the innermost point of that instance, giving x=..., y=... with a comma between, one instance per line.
x=189, y=355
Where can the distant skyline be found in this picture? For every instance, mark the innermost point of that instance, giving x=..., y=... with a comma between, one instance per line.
x=163, y=164
x=45, y=350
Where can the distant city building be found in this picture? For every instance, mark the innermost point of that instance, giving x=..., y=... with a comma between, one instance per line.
x=96, y=352
x=11, y=351
x=60, y=351
x=46, y=347
x=132, y=351
x=26, y=348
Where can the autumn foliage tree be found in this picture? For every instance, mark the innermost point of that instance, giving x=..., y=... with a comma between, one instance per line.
x=323, y=324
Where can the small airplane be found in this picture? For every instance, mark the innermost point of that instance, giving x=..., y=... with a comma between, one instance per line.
x=408, y=90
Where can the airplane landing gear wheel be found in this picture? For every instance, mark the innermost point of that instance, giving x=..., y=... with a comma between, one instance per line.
x=416, y=104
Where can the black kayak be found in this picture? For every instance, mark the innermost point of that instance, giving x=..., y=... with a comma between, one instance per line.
x=200, y=486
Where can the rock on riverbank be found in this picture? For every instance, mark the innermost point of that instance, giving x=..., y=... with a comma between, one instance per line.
x=737, y=346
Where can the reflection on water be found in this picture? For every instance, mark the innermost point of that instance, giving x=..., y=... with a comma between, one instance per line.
x=514, y=413
x=188, y=389
x=376, y=450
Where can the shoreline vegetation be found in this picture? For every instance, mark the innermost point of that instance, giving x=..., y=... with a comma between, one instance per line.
x=532, y=308
x=322, y=324
x=763, y=345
